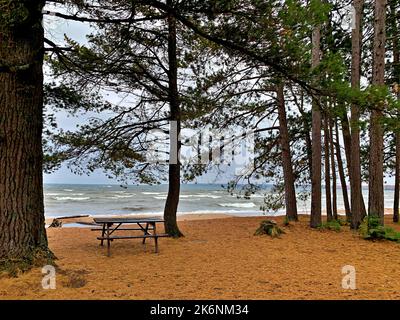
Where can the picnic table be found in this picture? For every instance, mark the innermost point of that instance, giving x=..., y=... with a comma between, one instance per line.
x=110, y=225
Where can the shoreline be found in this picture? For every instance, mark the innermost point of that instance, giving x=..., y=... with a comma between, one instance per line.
x=186, y=217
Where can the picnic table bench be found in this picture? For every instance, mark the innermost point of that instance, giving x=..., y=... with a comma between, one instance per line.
x=111, y=225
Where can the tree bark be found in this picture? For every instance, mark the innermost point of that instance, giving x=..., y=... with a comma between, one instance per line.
x=397, y=181
x=290, y=191
x=333, y=166
x=328, y=197
x=376, y=196
x=357, y=200
x=342, y=175
x=306, y=130
x=171, y=204
x=347, y=141
x=315, y=219
x=23, y=241
x=396, y=71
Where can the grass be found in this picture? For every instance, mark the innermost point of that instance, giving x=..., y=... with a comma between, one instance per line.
x=371, y=229
x=333, y=225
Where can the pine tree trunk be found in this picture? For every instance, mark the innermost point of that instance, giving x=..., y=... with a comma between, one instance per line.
x=342, y=175
x=23, y=240
x=376, y=196
x=397, y=181
x=328, y=197
x=306, y=130
x=333, y=166
x=357, y=200
x=396, y=71
x=171, y=204
x=315, y=219
x=344, y=121
x=290, y=191
x=347, y=140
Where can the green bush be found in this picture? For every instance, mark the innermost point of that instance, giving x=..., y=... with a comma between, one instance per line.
x=333, y=225
x=269, y=227
x=371, y=229
x=342, y=222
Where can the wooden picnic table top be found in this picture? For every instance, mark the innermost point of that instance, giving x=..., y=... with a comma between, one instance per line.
x=127, y=220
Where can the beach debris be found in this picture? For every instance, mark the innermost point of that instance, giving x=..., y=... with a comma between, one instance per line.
x=269, y=227
x=58, y=223
x=73, y=217
x=55, y=224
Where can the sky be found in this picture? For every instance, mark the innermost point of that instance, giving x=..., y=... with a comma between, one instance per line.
x=55, y=30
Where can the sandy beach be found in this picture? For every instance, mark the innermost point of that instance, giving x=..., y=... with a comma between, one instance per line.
x=219, y=258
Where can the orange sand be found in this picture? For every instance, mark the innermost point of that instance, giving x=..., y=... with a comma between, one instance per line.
x=217, y=259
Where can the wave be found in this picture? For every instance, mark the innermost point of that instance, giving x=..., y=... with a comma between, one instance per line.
x=122, y=196
x=153, y=193
x=160, y=197
x=207, y=195
x=238, y=205
x=187, y=196
x=71, y=198
x=257, y=196
x=184, y=196
x=133, y=208
x=68, y=190
x=68, y=194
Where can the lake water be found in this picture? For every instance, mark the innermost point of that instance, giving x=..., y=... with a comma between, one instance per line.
x=67, y=200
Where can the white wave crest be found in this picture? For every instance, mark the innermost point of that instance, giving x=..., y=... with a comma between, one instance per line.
x=238, y=205
x=71, y=198
x=152, y=193
x=122, y=196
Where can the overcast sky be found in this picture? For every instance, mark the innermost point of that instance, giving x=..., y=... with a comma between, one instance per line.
x=55, y=29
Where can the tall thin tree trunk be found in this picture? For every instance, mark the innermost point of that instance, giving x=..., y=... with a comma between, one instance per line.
x=333, y=166
x=342, y=175
x=344, y=121
x=315, y=219
x=306, y=130
x=397, y=181
x=357, y=201
x=171, y=204
x=328, y=197
x=348, y=153
x=290, y=191
x=396, y=71
x=23, y=240
x=376, y=196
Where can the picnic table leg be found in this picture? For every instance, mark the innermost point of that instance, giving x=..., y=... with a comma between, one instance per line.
x=155, y=237
x=108, y=240
x=145, y=232
x=102, y=234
